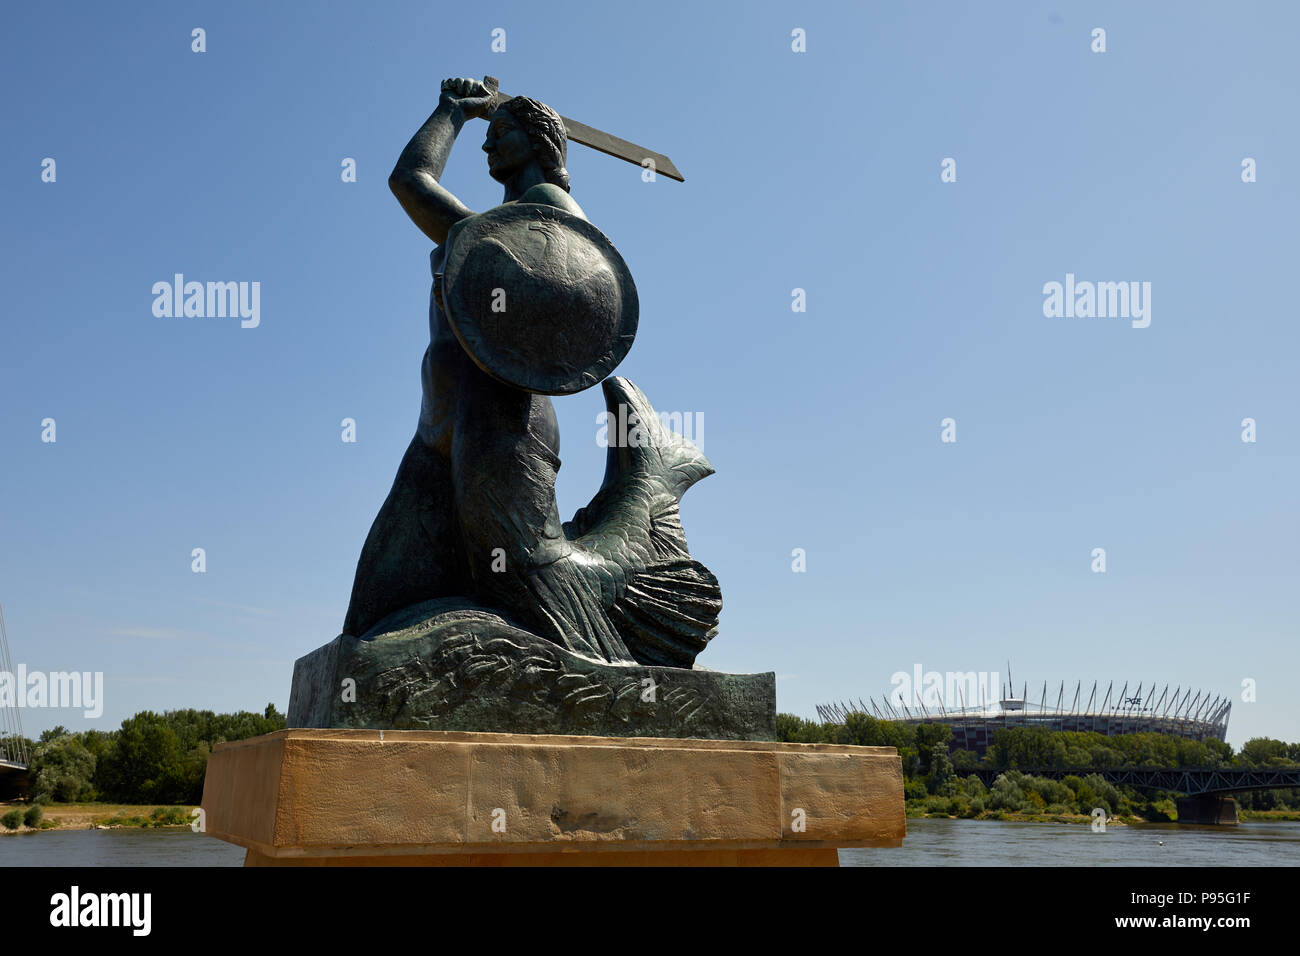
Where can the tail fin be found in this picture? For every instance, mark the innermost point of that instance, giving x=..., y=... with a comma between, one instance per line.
x=667, y=604
x=647, y=466
x=643, y=445
x=668, y=613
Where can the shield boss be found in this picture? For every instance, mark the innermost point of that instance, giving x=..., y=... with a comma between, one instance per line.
x=539, y=298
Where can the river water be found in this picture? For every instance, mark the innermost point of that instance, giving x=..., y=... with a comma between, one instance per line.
x=929, y=843
x=127, y=846
x=934, y=842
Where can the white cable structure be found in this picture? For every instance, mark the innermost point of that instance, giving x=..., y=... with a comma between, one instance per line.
x=13, y=745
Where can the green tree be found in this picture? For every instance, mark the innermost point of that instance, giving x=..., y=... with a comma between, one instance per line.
x=146, y=762
x=796, y=730
x=927, y=738
x=1103, y=793
x=965, y=760
x=1027, y=748
x=943, y=778
x=1077, y=758
x=61, y=769
x=915, y=790
x=867, y=731
x=1005, y=794
x=1052, y=791
x=1265, y=752
x=863, y=730
x=162, y=758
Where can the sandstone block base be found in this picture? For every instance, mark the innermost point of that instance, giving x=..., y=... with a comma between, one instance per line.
x=439, y=798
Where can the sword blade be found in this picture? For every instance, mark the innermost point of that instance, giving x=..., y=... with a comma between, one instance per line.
x=620, y=148
x=604, y=142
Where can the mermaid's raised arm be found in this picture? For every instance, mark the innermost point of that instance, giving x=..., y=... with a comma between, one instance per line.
x=414, y=180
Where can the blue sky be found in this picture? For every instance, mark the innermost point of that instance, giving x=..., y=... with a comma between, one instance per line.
x=817, y=170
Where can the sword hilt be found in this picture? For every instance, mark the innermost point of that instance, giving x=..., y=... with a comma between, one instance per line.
x=493, y=87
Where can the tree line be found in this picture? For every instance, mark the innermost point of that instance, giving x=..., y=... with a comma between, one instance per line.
x=151, y=758
x=932, y=768
x=162, y=758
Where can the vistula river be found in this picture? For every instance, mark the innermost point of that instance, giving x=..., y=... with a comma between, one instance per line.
x=932, y=842
x=929, y=843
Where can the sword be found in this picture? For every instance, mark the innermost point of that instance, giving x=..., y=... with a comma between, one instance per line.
x=600, y=140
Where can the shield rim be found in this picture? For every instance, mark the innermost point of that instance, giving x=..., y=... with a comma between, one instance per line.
x=623, y=337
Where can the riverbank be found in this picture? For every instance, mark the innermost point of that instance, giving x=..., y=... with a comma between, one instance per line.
x=101, y=816
x=112, y=816
x=1285, y=815
x=1018, y=816
x=1262, y=816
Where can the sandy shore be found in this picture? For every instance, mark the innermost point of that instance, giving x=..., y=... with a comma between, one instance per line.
x=85, y=816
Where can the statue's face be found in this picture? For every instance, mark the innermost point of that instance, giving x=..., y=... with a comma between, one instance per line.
x=507, y=146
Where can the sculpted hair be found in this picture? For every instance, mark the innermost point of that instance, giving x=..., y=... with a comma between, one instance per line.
x=546, y=132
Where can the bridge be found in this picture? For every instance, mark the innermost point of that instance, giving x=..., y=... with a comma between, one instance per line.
x=13, y=745
x=1206, y=790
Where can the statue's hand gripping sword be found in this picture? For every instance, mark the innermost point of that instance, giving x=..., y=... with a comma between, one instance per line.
x=599, y=139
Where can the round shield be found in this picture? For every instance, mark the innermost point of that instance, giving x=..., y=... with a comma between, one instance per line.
x=538, y=297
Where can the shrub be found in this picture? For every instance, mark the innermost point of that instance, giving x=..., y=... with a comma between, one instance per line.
x=61, y=769
x=32, y=817
x=1006, y=793
x=1162, y=811
x=1052, y=791
x=1104, y=793
x=12, y=820
x=168, y=817
x=938, y=805
x=915, y=790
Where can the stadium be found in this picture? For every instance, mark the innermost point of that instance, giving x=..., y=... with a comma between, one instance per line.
x=1193, y=715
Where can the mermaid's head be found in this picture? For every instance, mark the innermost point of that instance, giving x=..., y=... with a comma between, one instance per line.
x=522, y=130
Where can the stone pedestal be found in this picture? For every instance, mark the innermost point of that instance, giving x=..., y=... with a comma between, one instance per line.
x=436, y=798
x=445, y=666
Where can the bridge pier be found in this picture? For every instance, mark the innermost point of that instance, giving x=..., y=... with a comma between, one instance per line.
x=1207, y=808
x=14, y=781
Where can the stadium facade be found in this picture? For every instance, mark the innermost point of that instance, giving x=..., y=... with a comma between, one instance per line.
x=1192, y=715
